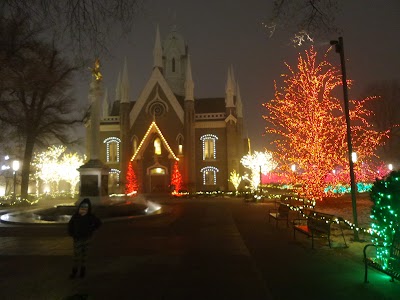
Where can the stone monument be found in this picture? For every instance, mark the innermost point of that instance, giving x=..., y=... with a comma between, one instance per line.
x=94, y=174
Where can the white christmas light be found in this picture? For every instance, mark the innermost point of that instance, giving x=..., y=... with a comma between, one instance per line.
x=209, y=169
x=206, y=137
x=108, y=141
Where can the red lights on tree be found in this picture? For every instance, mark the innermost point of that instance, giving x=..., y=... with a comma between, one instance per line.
x=309, y=124
x=176, y=178
x=131, y=186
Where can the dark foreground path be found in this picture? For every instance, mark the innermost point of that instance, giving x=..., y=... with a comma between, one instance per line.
x=201, y=249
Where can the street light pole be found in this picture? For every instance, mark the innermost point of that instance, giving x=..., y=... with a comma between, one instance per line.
x=340, y=49
x=15, y=167
x=260, y=181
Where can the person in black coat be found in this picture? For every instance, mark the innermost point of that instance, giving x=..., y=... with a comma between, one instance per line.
x=81, y=227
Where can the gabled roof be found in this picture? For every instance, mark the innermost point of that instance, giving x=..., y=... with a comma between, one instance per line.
x=156, y=77
x=146, y=139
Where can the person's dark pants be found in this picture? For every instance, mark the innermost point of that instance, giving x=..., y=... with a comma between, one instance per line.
x=80, y=256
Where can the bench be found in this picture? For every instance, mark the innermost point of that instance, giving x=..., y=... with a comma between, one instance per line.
x=280, y=214
x=393, y=265
x=317, y=225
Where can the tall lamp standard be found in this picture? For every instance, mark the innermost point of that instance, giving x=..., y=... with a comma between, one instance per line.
x=260, y=181
x=340, y=49
x=15, y=167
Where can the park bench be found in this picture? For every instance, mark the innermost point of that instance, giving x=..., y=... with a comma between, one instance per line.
x=316, y=225
x=393, y=266
x=280, y=214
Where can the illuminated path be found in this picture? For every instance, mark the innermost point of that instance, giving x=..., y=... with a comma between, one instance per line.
x=202, y=249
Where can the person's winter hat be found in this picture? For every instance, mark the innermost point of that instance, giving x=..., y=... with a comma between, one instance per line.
x=85, y=203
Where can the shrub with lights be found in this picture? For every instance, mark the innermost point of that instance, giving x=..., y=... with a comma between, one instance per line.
x=235, y=179
x=385, y=213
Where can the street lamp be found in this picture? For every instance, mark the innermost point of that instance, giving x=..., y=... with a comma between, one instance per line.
x=15, y=167
x=340, y=49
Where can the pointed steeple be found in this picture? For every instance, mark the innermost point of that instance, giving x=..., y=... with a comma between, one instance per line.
x=239, y=105
x=125, y=84
x=118, y=88
x=105, y=104
x=229, y=88
x=157, y=52
x=233, y=80
x=189, y=85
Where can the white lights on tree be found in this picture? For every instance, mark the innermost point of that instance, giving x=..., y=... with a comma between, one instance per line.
x=54, y=165
x=258, y=162
x=235, y=179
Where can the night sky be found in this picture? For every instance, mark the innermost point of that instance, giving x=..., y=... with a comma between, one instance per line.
x=230, y=32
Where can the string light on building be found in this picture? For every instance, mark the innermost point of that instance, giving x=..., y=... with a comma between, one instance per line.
x=204, y=139
x=116, y=172
x=108, y=141
x=153, y=129
x=214, y=170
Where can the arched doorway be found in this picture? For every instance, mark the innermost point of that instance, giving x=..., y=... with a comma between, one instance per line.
x=158, y=179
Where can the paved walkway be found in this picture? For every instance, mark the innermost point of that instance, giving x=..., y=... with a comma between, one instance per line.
x=202, y=249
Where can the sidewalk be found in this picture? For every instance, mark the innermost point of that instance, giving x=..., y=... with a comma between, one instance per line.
x=203, y=249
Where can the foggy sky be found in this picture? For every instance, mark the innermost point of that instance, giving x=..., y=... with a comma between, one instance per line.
x=230, y=32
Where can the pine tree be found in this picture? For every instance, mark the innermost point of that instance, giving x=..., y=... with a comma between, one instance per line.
x=131, y=181
x=176, y=178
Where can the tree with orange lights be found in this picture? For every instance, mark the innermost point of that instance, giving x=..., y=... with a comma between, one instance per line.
x=176, y=178
x=309, y=124
x=131, y=181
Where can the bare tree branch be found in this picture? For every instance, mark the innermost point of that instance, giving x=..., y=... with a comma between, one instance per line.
x=83, y=25
x=313, y=17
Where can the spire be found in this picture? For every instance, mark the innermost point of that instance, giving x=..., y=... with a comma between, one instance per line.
x=105, y=104
x=229, y=91
x=233, y=79
x=157, y=52
x=189, y=85
x=125, y=84
x=118, y=88
x=239, y=105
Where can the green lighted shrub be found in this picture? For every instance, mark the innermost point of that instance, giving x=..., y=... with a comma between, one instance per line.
x=385, y=213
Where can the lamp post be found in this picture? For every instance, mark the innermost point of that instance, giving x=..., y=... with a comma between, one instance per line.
x=260, y=181
x=15, y=167
x=340, y=49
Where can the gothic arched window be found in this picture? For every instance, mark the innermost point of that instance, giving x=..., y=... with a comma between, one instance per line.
x=209, y=146
x=157, y=146
x=209, y=175
x=180, y=143
x=135, y=144
x=112, y=149
x=173, y=64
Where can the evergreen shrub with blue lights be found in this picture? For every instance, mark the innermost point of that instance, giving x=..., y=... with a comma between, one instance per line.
x=385, y=213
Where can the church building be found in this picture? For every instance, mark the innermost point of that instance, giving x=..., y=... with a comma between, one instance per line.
x=168, y=124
